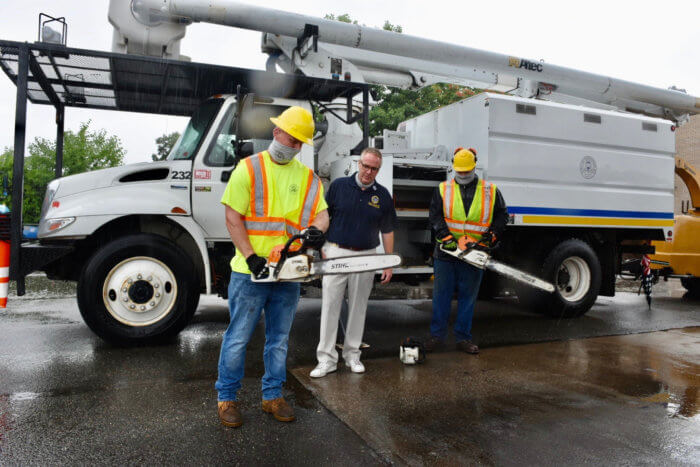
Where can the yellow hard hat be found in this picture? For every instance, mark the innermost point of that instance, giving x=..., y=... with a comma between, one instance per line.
x=464, y=160
x=298, y=122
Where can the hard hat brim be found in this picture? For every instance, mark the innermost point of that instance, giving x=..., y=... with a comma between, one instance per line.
x=464, y=168
x=291, y=132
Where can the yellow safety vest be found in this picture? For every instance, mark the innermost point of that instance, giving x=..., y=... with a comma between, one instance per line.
x=478, y=221
x=267, y=228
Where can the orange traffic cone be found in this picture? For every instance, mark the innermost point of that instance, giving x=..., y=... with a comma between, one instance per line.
x=4, y=272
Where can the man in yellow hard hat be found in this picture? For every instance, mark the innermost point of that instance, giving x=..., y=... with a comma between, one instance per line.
x=465, y=205
x=269, y=197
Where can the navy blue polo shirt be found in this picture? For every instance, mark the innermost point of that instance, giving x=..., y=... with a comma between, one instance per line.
x=357, y=216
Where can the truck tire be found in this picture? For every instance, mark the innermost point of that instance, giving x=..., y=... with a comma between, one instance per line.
x=574, y=269
x=692, y=285
x=136, y=289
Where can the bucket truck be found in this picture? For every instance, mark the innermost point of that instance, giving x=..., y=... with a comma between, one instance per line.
x=584, y=161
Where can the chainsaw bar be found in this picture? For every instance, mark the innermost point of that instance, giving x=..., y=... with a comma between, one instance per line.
x=351, y=264
x=518, y=275
x=483, y=260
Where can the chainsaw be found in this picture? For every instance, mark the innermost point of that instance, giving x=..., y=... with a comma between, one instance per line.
x=478, y=254
x=293, y=262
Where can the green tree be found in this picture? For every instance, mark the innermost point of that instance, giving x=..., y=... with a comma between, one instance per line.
x=395, y=105
x=164, y=144
x=392, y=27
x=344, y=18
x=83, y=151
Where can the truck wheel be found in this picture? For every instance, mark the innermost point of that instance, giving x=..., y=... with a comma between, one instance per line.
x=574, y=269
x=692, y=285
x=139, y=288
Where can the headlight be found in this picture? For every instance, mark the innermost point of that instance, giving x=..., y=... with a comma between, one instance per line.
x=48, y=198
x=53, y=225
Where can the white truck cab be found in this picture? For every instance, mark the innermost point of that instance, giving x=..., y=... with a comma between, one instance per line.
x=152, y=236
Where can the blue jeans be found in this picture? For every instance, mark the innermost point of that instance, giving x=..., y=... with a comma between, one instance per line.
x=246, y=301
x=467, y=279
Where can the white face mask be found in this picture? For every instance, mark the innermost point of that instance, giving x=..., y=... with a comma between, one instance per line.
x=280, y=153
x=466, y=179
x=359, y=183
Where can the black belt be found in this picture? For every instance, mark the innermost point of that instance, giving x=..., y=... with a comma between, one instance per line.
x=352, y=248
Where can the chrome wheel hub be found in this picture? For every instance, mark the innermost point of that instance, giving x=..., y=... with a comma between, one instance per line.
x=140, y=291
x=573, y=279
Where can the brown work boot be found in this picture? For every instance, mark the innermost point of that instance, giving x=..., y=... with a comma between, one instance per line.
x=229, y=414
x=279, y=408
x=432, y=344
x=468, y=346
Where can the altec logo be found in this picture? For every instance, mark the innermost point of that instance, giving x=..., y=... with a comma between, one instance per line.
x=527, y=64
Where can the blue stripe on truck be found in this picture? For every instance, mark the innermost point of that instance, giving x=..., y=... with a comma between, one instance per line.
x=589, y=212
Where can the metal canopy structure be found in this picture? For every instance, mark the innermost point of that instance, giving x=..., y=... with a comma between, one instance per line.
x=63, y=77
x=91, y=79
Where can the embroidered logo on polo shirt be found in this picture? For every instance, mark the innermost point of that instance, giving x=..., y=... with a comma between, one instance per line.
x=374, y=201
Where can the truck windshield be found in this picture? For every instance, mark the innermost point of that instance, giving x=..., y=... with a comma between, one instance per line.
x=188, y=143
x=255, y=134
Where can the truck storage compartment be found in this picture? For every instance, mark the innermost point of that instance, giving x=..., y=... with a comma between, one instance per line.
x=559, y=164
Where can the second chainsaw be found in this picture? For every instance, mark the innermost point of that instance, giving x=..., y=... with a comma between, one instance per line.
x=478, y=254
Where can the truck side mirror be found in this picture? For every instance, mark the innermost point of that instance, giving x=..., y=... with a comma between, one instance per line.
x=245, y=104
x=245, y=149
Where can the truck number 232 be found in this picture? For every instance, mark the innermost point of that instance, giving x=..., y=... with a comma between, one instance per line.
x=181, y=175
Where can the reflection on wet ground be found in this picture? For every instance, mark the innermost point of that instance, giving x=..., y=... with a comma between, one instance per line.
x=627, y=399
x=66, y=397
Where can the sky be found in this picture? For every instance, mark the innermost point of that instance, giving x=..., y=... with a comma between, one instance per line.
x=650, y=42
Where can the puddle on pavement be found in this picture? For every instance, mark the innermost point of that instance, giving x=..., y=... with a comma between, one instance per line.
x=23, y=396
x=197, y=338
x=627, y=398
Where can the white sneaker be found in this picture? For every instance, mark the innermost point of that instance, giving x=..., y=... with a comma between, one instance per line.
x=322, y=369
x=355, y=366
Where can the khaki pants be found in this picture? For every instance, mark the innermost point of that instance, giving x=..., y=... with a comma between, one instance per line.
x=359, y=286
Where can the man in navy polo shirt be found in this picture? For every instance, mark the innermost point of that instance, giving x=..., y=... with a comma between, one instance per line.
x=360, y=208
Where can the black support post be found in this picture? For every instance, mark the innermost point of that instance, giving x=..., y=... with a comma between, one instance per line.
x=365, y=117
x=60, y=113
x=18, y=169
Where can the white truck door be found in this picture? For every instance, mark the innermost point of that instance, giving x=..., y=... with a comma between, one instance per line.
x=210, y=171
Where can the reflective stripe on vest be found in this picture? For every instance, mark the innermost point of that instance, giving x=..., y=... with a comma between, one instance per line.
x=477, y=220
x=260, y=223
x=258, y=185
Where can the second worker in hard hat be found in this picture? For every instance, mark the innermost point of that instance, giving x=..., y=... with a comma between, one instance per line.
x=269, y=197
x=465, y=205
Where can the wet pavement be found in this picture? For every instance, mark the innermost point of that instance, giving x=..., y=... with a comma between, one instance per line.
x=613, y=400
x=66, y=397
x=541, y=387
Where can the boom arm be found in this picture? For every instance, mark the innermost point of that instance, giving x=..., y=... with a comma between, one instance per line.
x=423, y=60
x=692, y=180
